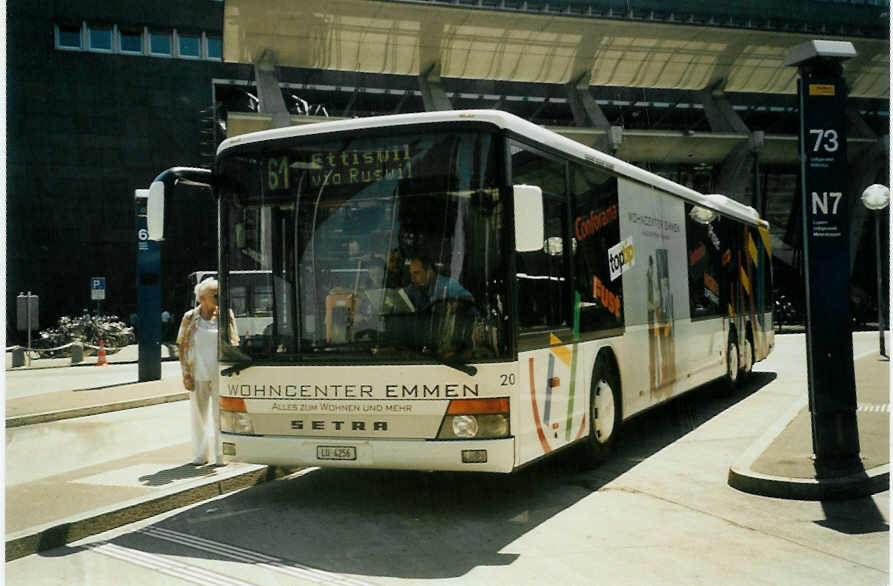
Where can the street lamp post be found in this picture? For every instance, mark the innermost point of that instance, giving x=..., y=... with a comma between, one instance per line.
x=876, y=197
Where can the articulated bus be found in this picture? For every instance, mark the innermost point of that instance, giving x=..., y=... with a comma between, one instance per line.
x=468, y=291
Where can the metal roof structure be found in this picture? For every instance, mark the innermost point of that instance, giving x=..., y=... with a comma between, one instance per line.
x=485, y=40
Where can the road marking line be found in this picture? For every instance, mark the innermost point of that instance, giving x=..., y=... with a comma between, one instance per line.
x=244, y=555
x=166, y=566
x=873, y=407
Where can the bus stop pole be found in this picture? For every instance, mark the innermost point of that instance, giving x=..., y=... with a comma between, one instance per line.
x=822, y=95
x=148, y=284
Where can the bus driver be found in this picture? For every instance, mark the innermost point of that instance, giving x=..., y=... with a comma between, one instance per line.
x=428, y=286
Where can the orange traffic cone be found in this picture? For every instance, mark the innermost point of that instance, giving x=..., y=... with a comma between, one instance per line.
x=100, y=356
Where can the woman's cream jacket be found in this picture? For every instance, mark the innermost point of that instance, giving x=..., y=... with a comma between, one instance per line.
x=185, y=339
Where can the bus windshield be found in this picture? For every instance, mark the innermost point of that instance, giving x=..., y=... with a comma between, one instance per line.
x=378, y=248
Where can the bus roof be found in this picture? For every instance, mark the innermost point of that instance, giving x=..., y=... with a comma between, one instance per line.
x=507, y=121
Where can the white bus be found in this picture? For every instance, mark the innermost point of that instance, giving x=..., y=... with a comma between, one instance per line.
x=466, y=290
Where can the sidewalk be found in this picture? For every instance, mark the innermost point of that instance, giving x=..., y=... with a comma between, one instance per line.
x=94, y=463
x=77, y=403
x=126, y=354
x=780, y=463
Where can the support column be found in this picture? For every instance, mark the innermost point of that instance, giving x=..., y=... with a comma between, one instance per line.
x=587, y=113
x=757, y=142
x=584, y=107
x=719, y=112
x=433, y=94
x=737, y=169
x=268, y=92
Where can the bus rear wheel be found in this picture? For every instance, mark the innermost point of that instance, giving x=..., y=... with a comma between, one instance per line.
x=732, y=366
x=746, y=360
x=604, y=411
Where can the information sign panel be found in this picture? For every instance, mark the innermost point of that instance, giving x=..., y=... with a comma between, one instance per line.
x=826, y=253
x=97, y=288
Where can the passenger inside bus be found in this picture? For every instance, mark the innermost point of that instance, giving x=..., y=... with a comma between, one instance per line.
x=396, y=276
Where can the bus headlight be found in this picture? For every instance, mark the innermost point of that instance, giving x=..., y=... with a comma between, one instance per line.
x=476, y=419
x=465, y=426
x=233, y=416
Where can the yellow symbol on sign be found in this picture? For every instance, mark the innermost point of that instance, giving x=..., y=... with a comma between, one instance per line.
x=821, y=89
x=628, y=254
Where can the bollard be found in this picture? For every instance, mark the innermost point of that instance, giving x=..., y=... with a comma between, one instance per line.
x=77, y=353
x=18, y=357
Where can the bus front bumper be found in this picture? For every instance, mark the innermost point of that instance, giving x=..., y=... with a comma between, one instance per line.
x=496, y=455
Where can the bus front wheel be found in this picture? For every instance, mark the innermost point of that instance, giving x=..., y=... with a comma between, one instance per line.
x=604, y=411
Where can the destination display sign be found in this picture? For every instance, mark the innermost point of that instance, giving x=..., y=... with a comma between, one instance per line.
x=347, y=167
x=361, y=166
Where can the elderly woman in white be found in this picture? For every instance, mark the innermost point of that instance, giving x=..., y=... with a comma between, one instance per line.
x=197, y=340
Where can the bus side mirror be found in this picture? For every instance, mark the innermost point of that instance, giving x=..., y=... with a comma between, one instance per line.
x=155, y=211
x=528, y=218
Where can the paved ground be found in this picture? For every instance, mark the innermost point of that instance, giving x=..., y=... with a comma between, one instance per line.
x=661, y=511
x=781, y=462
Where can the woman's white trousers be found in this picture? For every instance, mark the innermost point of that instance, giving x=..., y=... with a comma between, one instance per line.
x=205, y=392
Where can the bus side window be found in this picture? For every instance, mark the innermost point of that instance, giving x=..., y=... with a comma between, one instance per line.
x=709, y=262
x=760, y=272
x=238, y=299
x=542, y=276
x=595, y=227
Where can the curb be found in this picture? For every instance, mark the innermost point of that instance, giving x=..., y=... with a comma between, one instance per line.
x=852, y=486
x=83, y=363
x=60, y=533
x=872, y=481
x=21, y=420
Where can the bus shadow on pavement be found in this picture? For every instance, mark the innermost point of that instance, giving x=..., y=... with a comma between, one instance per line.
x=410, y=524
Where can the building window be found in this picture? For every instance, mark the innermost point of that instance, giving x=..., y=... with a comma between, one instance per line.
x=130, y=41
x=189, y=46
x=99, y=38
x=135, y=40
x=68, y=37
x=160, y=43
x=214, y=48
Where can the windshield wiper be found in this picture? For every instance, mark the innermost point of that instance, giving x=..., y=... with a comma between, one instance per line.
x=242, y=361
x=468, y=369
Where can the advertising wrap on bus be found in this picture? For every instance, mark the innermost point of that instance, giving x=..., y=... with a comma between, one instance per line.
x=358, y=401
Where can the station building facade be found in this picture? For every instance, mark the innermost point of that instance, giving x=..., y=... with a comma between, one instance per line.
x=102, y=97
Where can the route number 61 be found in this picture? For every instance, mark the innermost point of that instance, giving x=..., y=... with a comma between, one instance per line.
x=826, y=139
